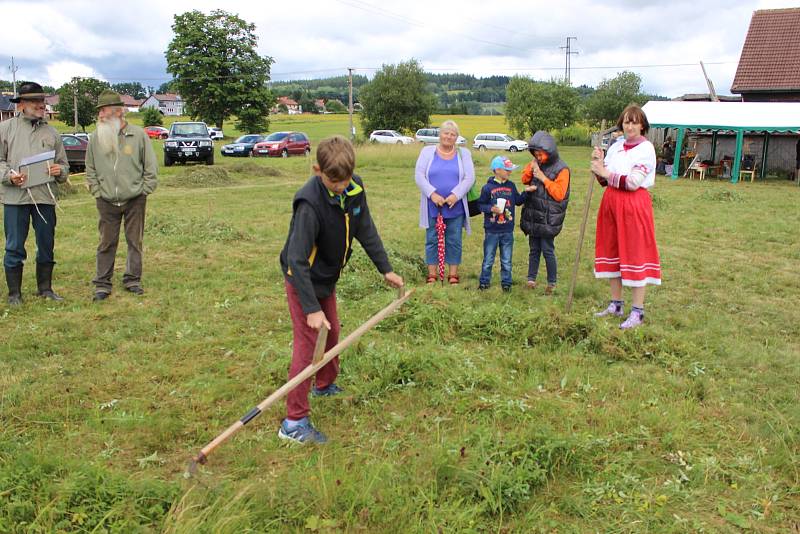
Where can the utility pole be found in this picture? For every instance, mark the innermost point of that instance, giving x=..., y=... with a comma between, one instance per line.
x=13, y=68
x=75, y=100
x=568, y=53
x=350, y=104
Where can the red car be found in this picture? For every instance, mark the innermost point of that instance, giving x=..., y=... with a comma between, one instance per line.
x=156, y=132
x=75, y=147
x=283, y=144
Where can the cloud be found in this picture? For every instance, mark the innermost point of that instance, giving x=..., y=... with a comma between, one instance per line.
x=62, y=72
x=48, y=38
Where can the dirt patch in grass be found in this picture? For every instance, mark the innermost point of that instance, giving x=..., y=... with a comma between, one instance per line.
x=721, y=196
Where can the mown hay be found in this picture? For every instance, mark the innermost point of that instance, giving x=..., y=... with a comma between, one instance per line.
x=195, y=229
x=251, y=168
x=202, y=176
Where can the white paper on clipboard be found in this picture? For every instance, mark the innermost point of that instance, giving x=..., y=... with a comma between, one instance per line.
x=37, y=168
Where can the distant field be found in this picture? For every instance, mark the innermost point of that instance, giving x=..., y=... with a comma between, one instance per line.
x=466, y=411
x=321, y=126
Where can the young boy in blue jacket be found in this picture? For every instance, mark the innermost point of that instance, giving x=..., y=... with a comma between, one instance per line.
x=497, y=201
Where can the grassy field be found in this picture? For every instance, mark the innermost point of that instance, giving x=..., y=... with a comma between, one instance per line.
x=466, y=411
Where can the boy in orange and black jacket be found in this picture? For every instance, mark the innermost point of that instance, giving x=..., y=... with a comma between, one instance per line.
x=545, y=207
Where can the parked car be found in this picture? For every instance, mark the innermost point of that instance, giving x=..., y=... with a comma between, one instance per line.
x=430, y=136
x=283, y=144
x=156, y=132
x=215, y=133
x=81, y=135
x=390, y=137
x=243, y=146
x=188, y=141
x=498, y=141
x=75, y=148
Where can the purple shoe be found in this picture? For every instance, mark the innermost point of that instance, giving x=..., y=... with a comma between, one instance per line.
x=613, y=309
x=635, y=319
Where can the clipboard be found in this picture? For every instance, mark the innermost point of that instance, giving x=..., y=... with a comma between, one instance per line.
x=37, y=166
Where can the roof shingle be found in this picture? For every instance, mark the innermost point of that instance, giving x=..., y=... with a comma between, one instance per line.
x=770, y=59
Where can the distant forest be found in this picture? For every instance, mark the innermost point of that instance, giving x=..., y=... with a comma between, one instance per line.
x=456, y=93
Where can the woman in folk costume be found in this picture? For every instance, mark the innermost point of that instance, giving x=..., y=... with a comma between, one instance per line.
x=625, y=246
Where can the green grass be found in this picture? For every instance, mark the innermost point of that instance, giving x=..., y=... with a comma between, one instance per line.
x=464, y=412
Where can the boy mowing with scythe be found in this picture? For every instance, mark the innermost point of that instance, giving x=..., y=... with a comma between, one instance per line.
x=328, y=212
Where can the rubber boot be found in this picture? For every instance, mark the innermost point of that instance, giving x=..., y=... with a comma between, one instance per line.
x=14, y=281
x=44, y=280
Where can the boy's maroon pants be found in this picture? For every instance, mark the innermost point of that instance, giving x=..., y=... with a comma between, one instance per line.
x=305, y=339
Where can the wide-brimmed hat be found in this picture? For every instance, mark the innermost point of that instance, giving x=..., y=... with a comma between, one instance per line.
x=29, y=91
x=109, y=98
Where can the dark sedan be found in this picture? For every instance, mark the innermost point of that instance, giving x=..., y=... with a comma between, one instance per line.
x=242, y=146
x=76, y=151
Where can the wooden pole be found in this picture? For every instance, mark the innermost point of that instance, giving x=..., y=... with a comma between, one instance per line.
x=580, y=242
x=306, y=373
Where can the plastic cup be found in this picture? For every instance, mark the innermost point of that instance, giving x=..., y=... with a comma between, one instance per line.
x=501, y=203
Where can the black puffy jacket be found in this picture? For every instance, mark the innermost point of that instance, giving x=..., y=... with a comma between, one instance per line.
x=543, y=216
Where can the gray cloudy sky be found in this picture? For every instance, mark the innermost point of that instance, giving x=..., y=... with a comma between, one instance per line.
x=52, y=41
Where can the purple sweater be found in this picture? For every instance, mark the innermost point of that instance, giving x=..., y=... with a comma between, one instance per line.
x=466, y=177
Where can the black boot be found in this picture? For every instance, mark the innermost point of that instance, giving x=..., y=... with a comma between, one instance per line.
x=14, y=281
x=44, y=280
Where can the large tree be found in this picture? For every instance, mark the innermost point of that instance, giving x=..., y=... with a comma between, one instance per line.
x=397, y=98
x=217, y=70
x=611, y=97
x=532, y=105
x=85, y=91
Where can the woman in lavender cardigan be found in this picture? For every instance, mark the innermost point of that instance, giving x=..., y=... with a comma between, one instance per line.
x=444, y=175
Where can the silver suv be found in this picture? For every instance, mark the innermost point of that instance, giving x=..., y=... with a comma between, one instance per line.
x=430, y=136
x=498, y=141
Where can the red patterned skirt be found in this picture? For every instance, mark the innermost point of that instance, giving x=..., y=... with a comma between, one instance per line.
x=625, y=242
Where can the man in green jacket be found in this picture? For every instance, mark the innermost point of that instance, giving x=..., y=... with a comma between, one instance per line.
x=23, y=136
x=121, y=172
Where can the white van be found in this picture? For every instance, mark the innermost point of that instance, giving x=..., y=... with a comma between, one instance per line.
x=430, y=136
x=498, y=141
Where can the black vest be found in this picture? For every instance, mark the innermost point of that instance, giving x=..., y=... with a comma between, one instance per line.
x=337, y=226
x=542, y=216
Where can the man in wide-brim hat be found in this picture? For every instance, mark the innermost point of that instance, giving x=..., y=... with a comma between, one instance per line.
x=25, y=135
x=121, y=172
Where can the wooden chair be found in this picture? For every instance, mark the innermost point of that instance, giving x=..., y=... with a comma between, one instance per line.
x=699, y=171
x=752, y=172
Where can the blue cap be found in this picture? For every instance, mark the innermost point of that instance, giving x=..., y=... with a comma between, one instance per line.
x=502, y=162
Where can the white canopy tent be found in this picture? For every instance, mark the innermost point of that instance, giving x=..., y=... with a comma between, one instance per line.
x=738, y=117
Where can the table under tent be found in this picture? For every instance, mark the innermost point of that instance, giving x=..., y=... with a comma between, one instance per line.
x=732, y=118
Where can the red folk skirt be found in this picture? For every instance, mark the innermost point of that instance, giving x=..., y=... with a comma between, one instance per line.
x=625, y=242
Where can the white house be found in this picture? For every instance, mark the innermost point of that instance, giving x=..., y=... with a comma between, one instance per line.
x=292, y=107
x=167, y=104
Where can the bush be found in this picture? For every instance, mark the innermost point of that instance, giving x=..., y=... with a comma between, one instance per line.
x=575, y=135
x=151, y=117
